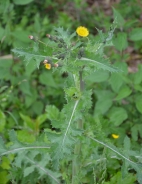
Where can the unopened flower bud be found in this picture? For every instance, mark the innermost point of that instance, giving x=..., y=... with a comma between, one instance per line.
x=61, y=40
x=60, y=45
x=48, y=35
x=56, y=65
x=45, y=61
x=31, y=37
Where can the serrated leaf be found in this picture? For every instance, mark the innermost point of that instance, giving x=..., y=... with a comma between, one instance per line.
x=52, y=112
x=55, y=116
x=100, y=65
x=30, y=55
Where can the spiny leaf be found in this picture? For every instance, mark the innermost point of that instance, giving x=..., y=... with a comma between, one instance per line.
x=100, y=65
x=18, y=146
x=29, y=55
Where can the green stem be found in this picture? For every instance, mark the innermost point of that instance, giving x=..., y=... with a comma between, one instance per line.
x=77, y=149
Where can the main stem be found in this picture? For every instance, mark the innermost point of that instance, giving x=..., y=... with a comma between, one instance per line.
x=77, y=149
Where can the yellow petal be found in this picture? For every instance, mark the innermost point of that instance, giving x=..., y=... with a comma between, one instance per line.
x=48, y=66
x=82, y=31
x=115, y=136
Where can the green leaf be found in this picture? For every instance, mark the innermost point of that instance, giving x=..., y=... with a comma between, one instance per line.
x=139, y=103
x=138, y=75
x=127, y=143
x=102, y=106
x=118, y=16
x=21, y=2
x=41, y=118
x=118, y=178
x=47, y=79
x=2, y=121
x=134, y=131
x=117, y=115
x=3, y=88
x=54, y=115
x=138, y=87
x=5, y=164
x=4, y=177
x=25, y=136
x=5, y=63
x=21, y=35
x=52, y=112
x=37, y=107
x=136, y=34
x=103, y=94
x=30, y=55
x=123, y=93
x=28, y=121
x=98, y=76
x=1, y=33
x=116, y=81
x=100, y=65
x=105, y=100
x=2, y=146
x=120, y=41
x=29, y=170
x=30, y=68
x=25, y=88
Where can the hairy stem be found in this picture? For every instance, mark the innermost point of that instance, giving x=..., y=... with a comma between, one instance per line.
x=77, y=149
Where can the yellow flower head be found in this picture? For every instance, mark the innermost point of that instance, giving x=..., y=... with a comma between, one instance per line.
x=82, y=31
x=115, y=136
x=47, y=66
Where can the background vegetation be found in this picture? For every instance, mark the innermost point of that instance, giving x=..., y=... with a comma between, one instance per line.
x=26, y=91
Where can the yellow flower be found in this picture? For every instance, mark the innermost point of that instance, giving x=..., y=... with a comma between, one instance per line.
x=82, y=31
x=115, y=136
x=47, y=66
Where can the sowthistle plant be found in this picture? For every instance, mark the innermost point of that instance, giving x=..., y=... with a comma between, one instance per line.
x=73, y=150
